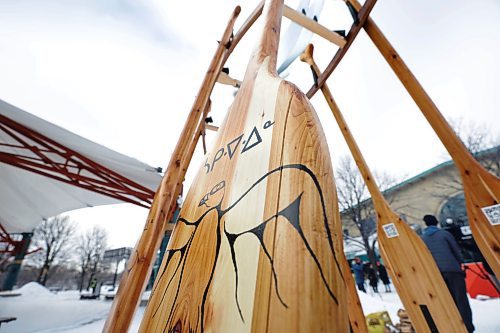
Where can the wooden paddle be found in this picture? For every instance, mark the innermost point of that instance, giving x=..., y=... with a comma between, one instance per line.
x=254, y=247
x=410, y=264
x=135, y=277
x=481, y=188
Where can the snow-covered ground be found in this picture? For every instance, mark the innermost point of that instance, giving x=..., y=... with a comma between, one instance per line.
x=485, y=311
x=38, y=310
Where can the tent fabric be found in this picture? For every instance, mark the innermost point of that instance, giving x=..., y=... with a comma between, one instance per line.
x=26, y=198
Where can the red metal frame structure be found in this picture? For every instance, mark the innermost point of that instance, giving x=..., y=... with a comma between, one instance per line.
x=46, y=157
x=8, y=240
x=39, y=154
x=11, y=243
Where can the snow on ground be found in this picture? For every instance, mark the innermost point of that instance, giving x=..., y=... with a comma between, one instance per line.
x=38, y=310
x=485, y=312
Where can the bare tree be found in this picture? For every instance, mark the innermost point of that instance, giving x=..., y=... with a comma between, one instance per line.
x=53, y=236
x=90, y=250
x=477, y=138
x=482, y=144
x=356, y=205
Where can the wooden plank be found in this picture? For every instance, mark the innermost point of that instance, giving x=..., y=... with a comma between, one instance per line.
x=314, y=26
x=353, y=32
x=413, y=270
x=211, y=127
x=254, y=248
x=481, y=188
x=135, y=277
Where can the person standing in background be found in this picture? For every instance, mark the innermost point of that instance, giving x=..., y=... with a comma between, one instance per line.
x=382, y=273
x=359, y=274
x=447, y=255
x=373, y=278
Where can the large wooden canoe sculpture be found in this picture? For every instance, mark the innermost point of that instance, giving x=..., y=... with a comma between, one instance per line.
x=253, y=249
x=411, y=266
x=481, y=189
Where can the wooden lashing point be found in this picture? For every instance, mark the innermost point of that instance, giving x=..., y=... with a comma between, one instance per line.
x=255, y=246
x=481, y=188
x=139, y=266
x=414, y=274
x=363, y=14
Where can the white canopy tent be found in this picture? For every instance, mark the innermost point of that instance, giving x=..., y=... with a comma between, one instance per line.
x=46, y=170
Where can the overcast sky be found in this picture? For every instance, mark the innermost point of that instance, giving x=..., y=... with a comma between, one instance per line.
x=125, y=74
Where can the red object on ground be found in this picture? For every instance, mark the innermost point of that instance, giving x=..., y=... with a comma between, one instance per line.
x=478, y=281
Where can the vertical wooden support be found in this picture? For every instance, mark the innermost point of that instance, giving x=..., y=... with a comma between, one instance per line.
x=140, y=263
x=415, y=275
x=481, y=188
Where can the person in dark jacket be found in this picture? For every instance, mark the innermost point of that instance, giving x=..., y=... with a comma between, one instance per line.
x=373, y=278
x=382, y=273
x=446, y=253
x=359, y=274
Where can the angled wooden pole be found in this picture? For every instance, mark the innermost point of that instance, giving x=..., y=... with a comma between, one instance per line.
x=413, y=270
x=481, y=188
x=363, y=14
x=139, y=266
x=249, y=22
x=313, y=26
x=356, y=315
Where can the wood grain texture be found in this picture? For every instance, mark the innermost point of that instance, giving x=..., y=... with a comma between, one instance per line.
x=138, y=270
x=254, y=247
x=481, y=188
x=409, y=262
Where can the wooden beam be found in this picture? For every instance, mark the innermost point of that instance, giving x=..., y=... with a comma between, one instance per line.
x=313, y=26
x=224, y=78
x=353, y=32
x=481, y=188
x=414, y=274
x=211, y=127
x=139, y=266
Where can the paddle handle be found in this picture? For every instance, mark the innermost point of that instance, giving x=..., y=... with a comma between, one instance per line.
x=267, y=48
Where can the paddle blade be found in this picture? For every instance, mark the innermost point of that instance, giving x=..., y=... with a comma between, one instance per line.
x=254, y=248
x=482, y=196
